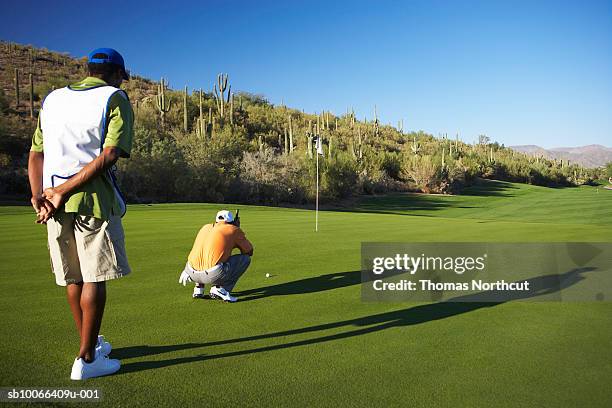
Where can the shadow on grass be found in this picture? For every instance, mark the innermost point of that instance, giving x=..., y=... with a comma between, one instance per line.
x=309, y=285
x=401, y=204
x=359, y=326
x=413, y=203
x=490, y=188
x=145, y=350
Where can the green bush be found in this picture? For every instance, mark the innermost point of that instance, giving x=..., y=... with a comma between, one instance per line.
x=340, y=177
x=154, y=170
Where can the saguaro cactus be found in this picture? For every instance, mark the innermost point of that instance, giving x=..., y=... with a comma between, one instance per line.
x=290, y=135
x=443, y=161
x=286, y=150
x=376, y=123
x=201, y=124
x=359, y=152
x=163, y=104
x=416, y=147
x=185, y=127
x=31, y=58
x=220, y=97
x=31, y=95
x=232, y=109
x=17, y=87
x=309, y=143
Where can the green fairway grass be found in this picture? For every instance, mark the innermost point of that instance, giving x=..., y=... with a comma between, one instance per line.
x=303, y=337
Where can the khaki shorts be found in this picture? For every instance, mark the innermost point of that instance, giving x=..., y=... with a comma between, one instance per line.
x=86, y=249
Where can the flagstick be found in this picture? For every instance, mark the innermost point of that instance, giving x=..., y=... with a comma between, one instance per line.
x=317, y=199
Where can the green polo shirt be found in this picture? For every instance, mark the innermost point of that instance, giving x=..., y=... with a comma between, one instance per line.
x=97, y=197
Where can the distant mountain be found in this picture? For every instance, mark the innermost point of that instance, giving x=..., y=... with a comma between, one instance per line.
x=588, y=156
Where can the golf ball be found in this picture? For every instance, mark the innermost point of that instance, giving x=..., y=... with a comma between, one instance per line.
x=267, y=275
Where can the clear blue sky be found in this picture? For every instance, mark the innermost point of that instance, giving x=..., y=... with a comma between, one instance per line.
x=533, y=72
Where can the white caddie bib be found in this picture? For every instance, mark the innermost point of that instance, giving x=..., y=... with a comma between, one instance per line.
x=73, y=124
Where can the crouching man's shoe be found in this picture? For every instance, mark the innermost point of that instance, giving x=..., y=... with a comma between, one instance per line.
x=217, y=292
x=198, y=292
x=101, y=366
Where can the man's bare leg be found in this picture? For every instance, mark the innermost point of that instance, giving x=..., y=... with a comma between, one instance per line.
x=73, y=293
x=92, y=302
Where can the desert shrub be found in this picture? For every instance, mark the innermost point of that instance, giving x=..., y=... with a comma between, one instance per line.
x=377, y=182
x=268, y=178
x=4, y=103
x=454, y=177
x=424, y=172
x=41, y=90
x=16, y=138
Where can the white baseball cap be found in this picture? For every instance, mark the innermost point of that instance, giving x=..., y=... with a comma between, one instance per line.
x=224, y=215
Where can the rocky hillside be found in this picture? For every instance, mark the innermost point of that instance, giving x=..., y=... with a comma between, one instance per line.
x=27, y=75
x=588, y=156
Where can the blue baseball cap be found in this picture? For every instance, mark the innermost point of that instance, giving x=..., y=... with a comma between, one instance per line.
x=108, y=56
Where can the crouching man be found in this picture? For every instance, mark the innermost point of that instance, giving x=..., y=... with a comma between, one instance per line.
x=211, y=261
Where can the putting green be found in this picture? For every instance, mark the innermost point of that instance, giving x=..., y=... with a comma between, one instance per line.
x=303, y=336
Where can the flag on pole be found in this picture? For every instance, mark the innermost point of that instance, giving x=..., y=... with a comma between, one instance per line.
x=319, y=147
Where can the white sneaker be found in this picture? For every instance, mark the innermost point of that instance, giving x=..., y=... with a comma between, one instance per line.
x=103, y=347
x=217, y=292
x=198, y=292
x=102, y=365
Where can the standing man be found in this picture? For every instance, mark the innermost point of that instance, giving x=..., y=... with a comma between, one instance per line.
x=211, y=260
x=83, y=129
